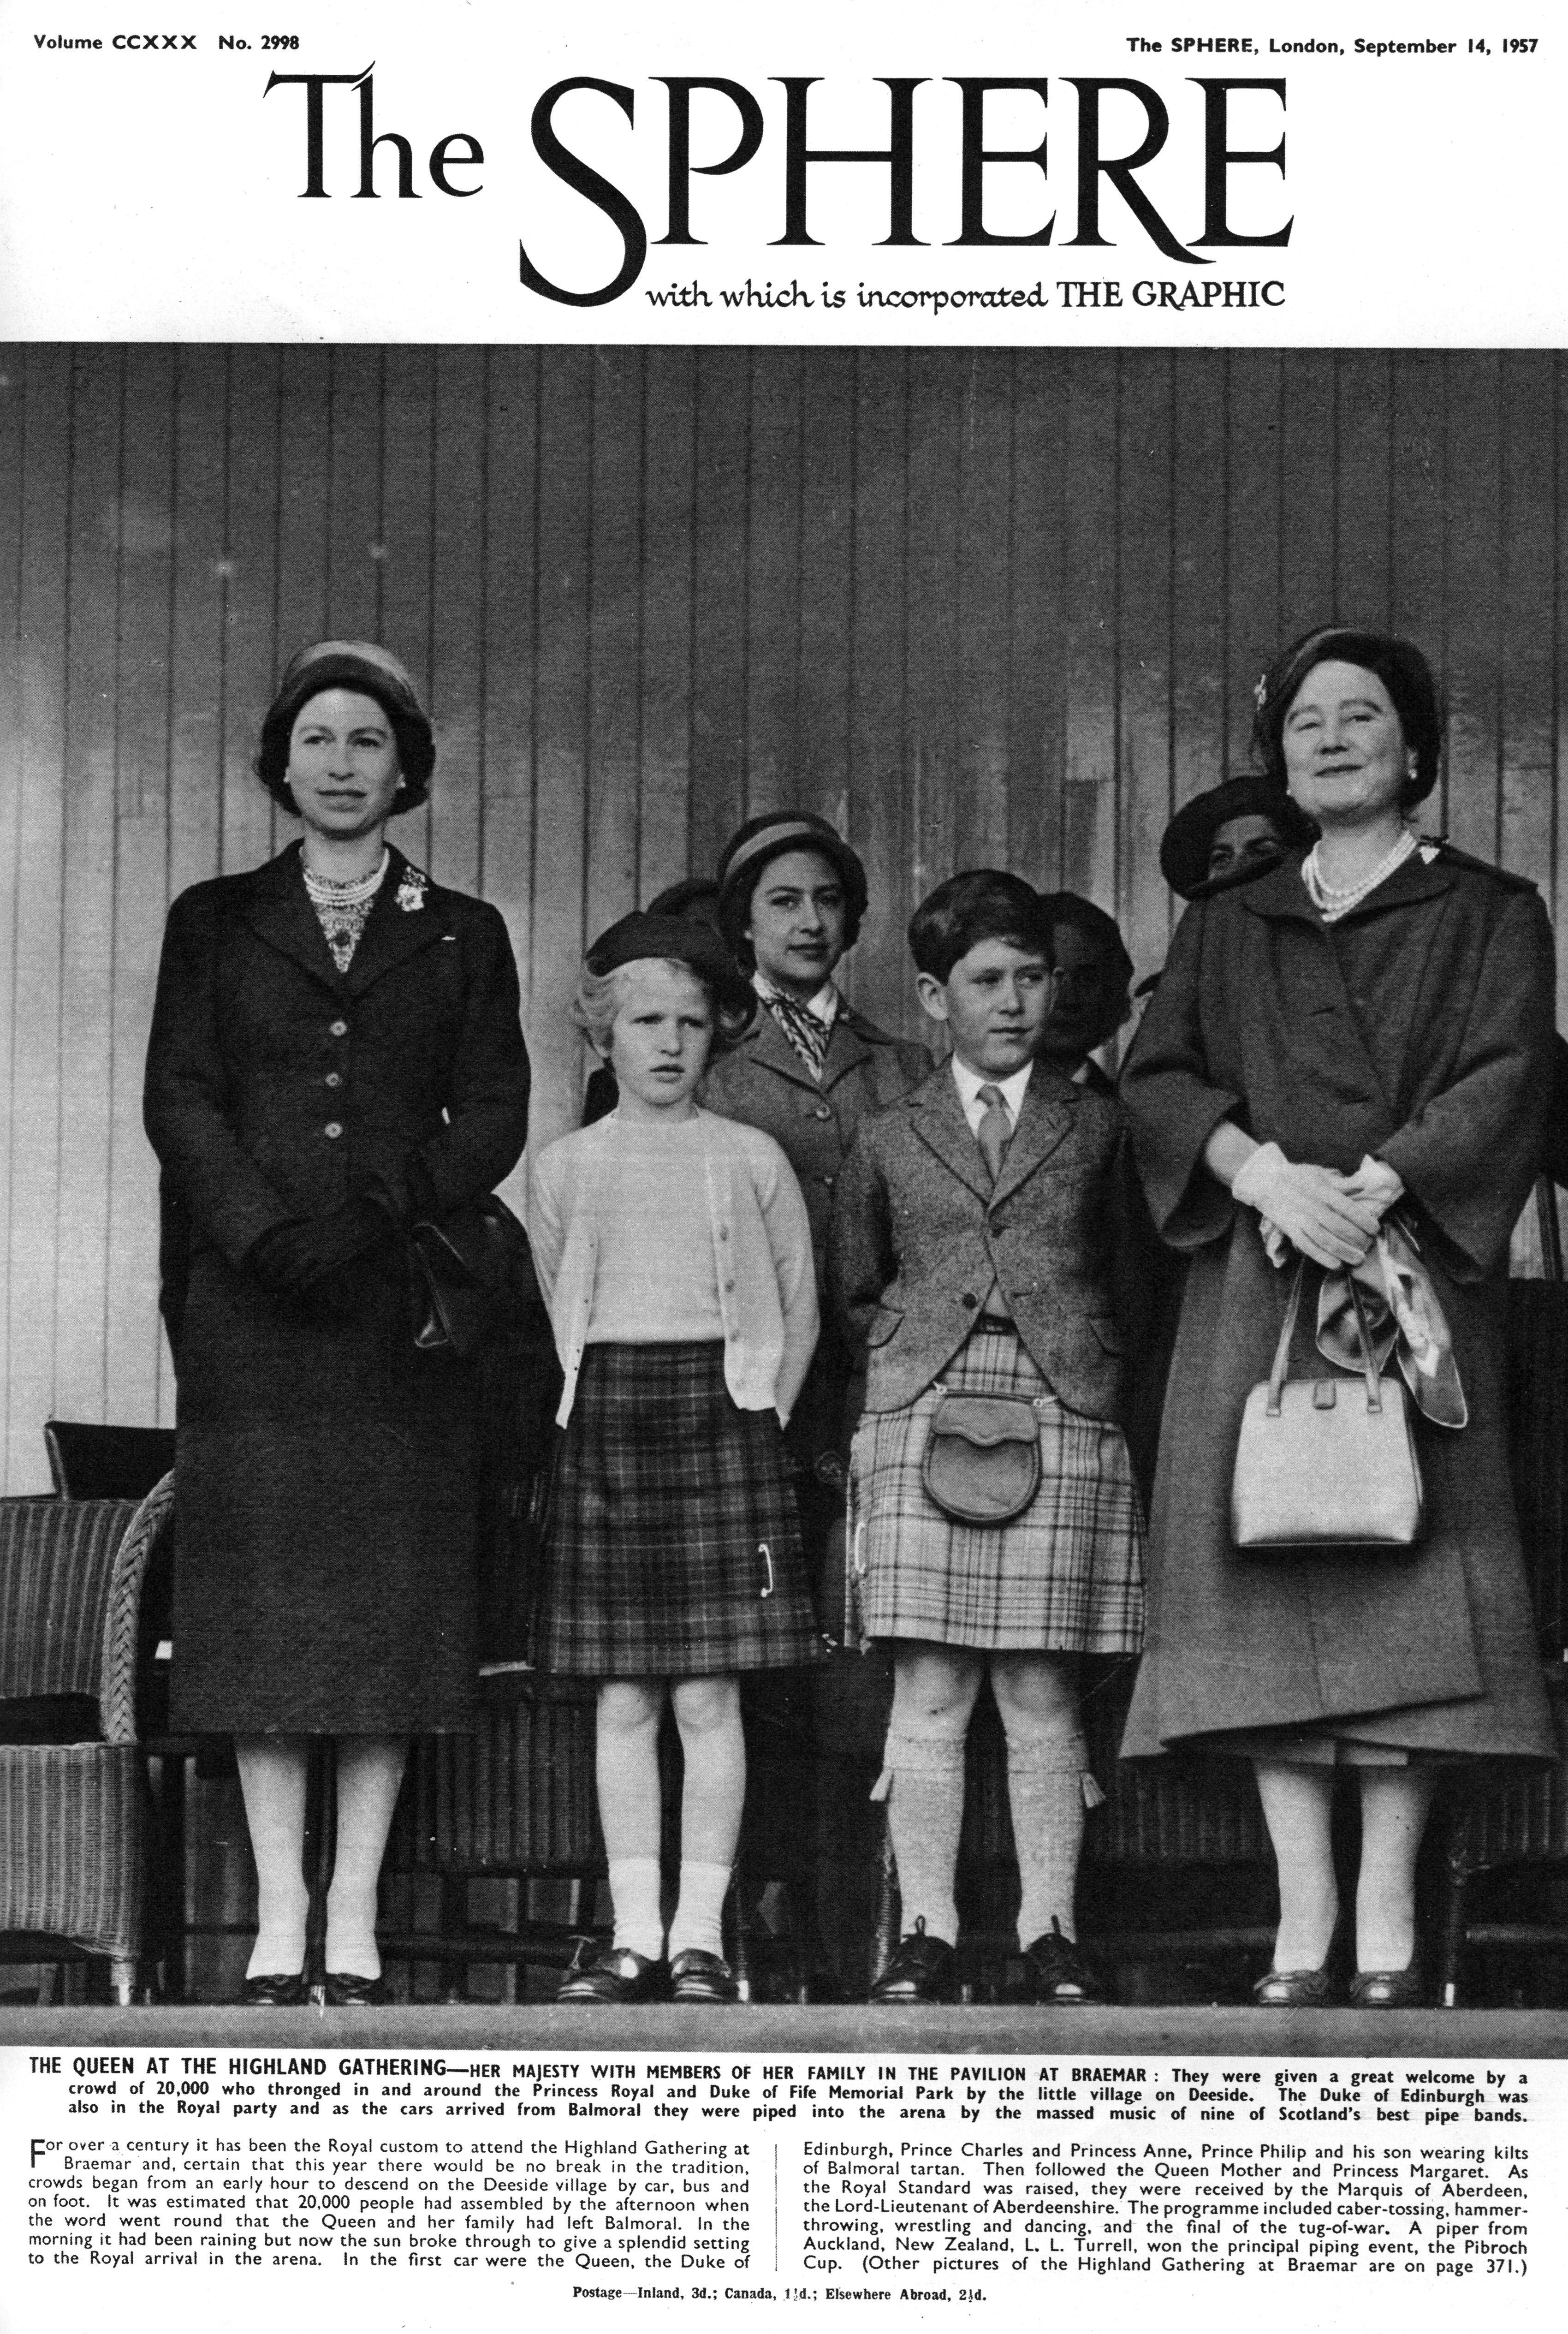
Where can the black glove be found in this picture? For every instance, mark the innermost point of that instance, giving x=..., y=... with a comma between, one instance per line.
x=297, y=1256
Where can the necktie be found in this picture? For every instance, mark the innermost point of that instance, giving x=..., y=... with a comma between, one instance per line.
x=809, y=1036
x=994, y=1131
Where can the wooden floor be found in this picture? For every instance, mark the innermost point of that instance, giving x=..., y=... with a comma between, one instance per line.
x=1125, y=2035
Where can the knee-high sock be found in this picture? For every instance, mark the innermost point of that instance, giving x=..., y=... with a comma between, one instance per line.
x=698, y=1922
x=369, y=1774
x=1049, y=1785
x=272, y=1777
x=923, y=1773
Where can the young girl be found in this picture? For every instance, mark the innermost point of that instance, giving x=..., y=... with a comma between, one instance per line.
x=675, y=1254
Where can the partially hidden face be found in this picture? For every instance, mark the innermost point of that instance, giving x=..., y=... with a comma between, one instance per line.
x=1242, y=848
x=995, y=1002
x=663, y=1028
x=1345, y=758
x=343, y=771
x=1088, y=1000
x=797, y=922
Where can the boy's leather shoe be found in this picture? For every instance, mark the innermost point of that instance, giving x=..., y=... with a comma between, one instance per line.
x=698, y=1976
x=1058, y=1974
x=610, y=1973
x=273, y=1990
x=923, y=1969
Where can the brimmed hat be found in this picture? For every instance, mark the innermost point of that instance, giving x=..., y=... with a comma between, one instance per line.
x=1185, y=845
x=375, y=671
x=761, y=840
x=1398, y=665
x=683, y=939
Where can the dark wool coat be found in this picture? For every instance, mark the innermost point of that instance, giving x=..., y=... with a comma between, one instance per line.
x=1419, y=1029
x=328, y=1473
x=920, y=1234
x=763, y=1081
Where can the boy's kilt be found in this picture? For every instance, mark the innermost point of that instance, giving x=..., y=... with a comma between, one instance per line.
x=1066, y=1576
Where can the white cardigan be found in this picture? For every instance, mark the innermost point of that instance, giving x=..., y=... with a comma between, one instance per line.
x=761, y=1254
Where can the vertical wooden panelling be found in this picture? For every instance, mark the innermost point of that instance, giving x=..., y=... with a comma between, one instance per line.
x=668, y=458
x=969, y=605
x=1143, y=523
x=1091, y=645
x=13, y=477
x=456, y=625
x=721, y=491
x=565, y=493
x=147, y=525
x=89, y=776
x=615, y=644
x=1472, y=577
x=882, y=811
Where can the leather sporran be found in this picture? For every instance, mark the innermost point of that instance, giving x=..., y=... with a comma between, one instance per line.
x=471, y=1275
x=982, y=1462
x=1326, y=1463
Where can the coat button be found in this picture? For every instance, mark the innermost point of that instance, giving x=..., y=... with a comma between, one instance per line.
x=332, y=1130
x=822, y=1111
x=969, y=1302
x=338, y=1029
x=334, y=1078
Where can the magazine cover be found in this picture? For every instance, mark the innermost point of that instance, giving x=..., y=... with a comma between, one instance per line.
x=785, y=1380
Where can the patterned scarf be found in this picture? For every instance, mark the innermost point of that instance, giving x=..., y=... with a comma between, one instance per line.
x=807, y=1033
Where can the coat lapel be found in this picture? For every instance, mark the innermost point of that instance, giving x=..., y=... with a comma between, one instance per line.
x=1042, y=1126
x=847, y=1049
x=278, y=907
x=393, y=931
x=940, y=1121
x=766, y=1043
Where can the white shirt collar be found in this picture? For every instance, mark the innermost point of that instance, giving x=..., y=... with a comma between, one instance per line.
x=969, y=1082
x=824, y=1004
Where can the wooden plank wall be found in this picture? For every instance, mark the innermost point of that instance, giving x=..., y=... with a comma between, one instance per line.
x=974, y=606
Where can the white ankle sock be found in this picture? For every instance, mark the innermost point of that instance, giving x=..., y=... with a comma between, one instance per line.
x=634, y=1893
x=698, y=1922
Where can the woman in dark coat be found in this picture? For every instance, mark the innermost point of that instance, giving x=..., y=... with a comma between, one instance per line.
x=1371, y=1025
x=335, y=1052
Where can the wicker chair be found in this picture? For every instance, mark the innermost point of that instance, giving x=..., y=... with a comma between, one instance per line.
x=73, y=1812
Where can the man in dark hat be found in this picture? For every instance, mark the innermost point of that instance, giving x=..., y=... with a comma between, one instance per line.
x=792, y=895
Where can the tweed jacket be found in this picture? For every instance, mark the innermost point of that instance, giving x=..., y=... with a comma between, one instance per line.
x=756, y=1224
x=764, y=1082
x=919, y=1235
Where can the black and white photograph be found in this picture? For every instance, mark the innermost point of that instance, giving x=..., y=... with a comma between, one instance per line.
x=785, y=1366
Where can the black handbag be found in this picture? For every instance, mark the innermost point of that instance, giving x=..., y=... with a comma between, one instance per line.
x=472, y=1277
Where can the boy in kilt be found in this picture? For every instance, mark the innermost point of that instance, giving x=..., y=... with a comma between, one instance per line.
x=675, y=1256
x=970, y=1254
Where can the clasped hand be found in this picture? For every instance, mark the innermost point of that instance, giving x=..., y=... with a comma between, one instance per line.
x=1331, y=1217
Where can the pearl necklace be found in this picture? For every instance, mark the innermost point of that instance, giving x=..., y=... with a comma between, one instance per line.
x=1331, y=902
x=329, y=892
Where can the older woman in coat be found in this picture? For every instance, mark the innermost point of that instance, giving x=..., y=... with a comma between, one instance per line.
x=1371, y=1025
x=336, y=1051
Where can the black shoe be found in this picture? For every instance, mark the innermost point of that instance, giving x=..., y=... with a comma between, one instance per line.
x=1058, y=1974
x=697, y=1976
x=610, y=1973
x=923, y=1969
x=273, y=1991
x=1399, y=1989
x=347, y=1990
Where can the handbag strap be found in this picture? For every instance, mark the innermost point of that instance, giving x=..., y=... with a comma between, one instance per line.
x=1277, y=1374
